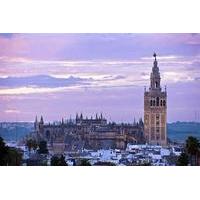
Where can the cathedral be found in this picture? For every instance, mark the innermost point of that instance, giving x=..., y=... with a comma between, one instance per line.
x=93, y=132
x=90, y=133
x=155, y=109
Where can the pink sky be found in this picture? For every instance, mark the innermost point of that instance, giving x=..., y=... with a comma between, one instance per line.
x=57, y=75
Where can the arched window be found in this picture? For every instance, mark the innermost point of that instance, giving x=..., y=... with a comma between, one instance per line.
x=164, y=103
x=154, y=102
x=151, y=103
x=156, y=84
x=160, y=102
x=157, y=101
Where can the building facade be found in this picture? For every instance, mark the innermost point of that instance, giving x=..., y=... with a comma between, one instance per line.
x=155, y=109
x=89, y=133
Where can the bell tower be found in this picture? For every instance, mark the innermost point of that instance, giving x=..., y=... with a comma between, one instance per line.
x=155, y=109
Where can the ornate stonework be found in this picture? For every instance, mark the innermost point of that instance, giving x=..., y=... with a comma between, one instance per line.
x=155, y=109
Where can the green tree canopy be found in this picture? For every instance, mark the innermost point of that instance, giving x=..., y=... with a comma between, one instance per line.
x=31, y=144
x=100, y=163
x=43, y=148
x=58, y=161
x=192, y=145
x=192, y=149
x=85, y=162
x=8, y=155
x=183, y=160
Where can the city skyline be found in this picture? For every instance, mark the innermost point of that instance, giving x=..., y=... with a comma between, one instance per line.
x=58, y=75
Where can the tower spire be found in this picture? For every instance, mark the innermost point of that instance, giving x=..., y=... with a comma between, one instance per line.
x=155, y=63
x=155, y=75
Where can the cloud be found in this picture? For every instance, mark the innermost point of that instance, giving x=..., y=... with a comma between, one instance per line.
x=197, y=78
x=12, y=111
x=42, y=81
x=31, y=90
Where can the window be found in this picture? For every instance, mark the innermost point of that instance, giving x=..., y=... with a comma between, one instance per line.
x=151, y=103
x=161, y=103
x=154, y=102
x=158, y=137
x=157, y=101
x=164, y=103
x=156, y=84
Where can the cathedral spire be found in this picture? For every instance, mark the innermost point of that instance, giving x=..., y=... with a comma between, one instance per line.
x=41, y=120
x=62, y=122
x=36, y=119
x=76, y=116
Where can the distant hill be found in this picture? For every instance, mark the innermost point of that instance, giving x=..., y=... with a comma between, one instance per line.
x=12, y=131
x=179, y=131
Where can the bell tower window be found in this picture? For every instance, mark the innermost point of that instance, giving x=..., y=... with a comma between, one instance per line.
x=164, y=103
x=156, y=84
x=157, y=101
x=151, y=103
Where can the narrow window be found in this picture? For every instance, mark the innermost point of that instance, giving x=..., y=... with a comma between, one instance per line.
x=157, y=101
x=161, y=103
x=156, y=84
x=164, y=103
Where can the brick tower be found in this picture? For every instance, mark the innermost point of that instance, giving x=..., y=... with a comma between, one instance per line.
x=155, y=110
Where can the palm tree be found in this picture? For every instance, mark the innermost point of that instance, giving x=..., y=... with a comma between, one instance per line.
x=192, y=149
x=182, y=160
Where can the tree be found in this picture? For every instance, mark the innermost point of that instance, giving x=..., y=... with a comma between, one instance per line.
x=3, y=152
x=100, y=163
x=192, y=149
x=9, y=156
x=14, y=157
x=182, y=160
x=58, y=161
x=31, y=144
x=85, y=162
x=34, y=145
x=43, y=148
